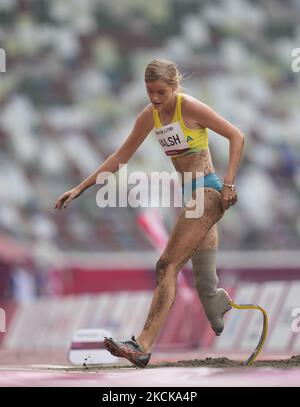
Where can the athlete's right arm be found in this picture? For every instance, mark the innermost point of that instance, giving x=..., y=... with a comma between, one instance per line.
x=142, y=127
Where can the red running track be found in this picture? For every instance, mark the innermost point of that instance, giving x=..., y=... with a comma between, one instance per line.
x=47, y=376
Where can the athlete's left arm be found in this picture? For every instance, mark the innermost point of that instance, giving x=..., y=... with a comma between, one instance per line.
x=207, y=117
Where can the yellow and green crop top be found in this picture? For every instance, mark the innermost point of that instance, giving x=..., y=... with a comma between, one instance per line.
x=175, y=138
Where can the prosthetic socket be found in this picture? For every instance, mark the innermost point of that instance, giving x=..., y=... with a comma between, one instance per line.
x=215, y=301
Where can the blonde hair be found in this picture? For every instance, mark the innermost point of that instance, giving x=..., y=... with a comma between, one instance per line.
x=162, y=69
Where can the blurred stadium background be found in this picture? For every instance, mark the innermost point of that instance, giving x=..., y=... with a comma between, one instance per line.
x=70, y=94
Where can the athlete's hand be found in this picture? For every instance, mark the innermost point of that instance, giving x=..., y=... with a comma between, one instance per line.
x=229, y=197
x=67, y=197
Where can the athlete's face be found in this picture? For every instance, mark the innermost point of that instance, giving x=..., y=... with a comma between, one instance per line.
x=160, y=93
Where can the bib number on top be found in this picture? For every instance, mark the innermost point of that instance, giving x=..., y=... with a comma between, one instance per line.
x=172, y=139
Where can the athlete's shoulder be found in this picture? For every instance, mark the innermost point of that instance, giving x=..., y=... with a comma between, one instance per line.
x=145, y=117
x=190, y=102
x=148, y=109
x=192, y=105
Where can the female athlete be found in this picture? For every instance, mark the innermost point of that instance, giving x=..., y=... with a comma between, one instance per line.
x=181, y=124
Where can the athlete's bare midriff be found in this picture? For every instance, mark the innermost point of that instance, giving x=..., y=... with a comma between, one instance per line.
x=197, y=162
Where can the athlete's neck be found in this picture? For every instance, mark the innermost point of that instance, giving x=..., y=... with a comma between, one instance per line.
x=169, y=109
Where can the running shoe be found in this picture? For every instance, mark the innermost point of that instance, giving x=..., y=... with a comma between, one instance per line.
x=129, y=350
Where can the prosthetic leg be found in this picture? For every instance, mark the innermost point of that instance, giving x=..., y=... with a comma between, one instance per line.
x=216, y=301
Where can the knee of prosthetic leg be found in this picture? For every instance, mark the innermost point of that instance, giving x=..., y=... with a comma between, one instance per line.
x=215, y=301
